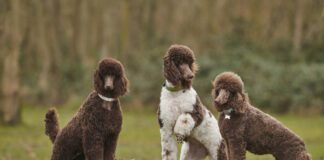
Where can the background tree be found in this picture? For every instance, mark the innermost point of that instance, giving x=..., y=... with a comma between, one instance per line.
x=13, y=36
x=49, y=49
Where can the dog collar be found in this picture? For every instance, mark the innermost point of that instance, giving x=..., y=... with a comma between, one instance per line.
x=106, y=98
x=171, y=87
x=174, y=89
x=228, y=112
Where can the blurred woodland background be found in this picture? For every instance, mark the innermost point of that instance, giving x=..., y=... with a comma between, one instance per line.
x=49, y=50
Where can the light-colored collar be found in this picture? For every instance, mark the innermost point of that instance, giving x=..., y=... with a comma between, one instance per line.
x=228, y=112
x=106, y=98
x=170, y=87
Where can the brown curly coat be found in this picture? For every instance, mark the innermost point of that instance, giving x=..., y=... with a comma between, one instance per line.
x=248, y=128
x=93, y=131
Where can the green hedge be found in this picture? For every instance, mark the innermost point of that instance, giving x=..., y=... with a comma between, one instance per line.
x=277, y=86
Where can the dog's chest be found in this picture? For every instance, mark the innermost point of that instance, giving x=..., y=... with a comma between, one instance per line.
x=111, y=115
x=172, y=104
x=107, y=105
x=229, y=125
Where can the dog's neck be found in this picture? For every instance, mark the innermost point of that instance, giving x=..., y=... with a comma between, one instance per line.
x=170, y=87
x=228, y=112
x=107, y=99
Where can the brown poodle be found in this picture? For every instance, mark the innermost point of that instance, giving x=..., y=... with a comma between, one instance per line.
x=93, y=131
x=245, y=127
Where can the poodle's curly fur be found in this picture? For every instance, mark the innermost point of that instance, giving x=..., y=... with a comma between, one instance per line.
x=176, y=56
x=181, y=113
x=93, y=131
x=245, y=127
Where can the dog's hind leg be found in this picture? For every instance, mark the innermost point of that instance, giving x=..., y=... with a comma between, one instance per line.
x=193, y=150
x=303, y=156
x=208, y=134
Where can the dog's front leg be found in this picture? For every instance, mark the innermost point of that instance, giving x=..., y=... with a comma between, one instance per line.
x=236, y=148
x=110, y=146
x=93, y=146
x=184, y=126
x=169, y=144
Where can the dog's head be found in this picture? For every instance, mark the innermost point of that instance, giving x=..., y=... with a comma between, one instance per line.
x=228, y=92
x=110, y=79
x=179, y=65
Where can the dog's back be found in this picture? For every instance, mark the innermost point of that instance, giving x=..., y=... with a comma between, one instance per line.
x=266, y=135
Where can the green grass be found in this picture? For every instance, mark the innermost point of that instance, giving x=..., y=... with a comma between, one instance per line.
x=139, y=140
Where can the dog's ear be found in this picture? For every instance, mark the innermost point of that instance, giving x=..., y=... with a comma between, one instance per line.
x=194, y=67
x=171, y=72
x=97, y=81
x=239, y=104
x=121, y=85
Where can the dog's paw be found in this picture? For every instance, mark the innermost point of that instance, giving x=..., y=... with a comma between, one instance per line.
x=180, y=138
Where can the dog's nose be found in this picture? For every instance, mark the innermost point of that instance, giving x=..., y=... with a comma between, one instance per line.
x=109, y=82
x=217, y=105
x=190, y=76
x=108, y=87
x=216, y=102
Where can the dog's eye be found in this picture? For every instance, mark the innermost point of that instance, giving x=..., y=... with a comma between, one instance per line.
x=217, y=92
x=101, y=75
x=112, y=75
x=231, y=93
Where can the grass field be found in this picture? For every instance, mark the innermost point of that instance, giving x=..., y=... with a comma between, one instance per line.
x=139, y=140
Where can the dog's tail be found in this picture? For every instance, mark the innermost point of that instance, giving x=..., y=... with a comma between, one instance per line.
x=51, y=124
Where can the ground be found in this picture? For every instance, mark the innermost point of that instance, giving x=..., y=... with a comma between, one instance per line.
x=139, y=140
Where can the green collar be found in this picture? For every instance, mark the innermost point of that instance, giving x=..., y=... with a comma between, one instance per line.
x=174, y=89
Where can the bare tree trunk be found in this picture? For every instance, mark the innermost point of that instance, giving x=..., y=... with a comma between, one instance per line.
x=10, y=77
x=297, y=37
x=43, y=49
x=10, y=86
x=150, y=25
x=220, y=4
x=81, y=33
x=124, y=29
x=105, y=22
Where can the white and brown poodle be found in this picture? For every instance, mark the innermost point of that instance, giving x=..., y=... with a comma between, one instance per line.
x=181, y=114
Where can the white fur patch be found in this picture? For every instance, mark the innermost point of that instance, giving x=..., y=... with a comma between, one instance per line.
x=174, y=107
x=184, y=125
x=106, y=98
